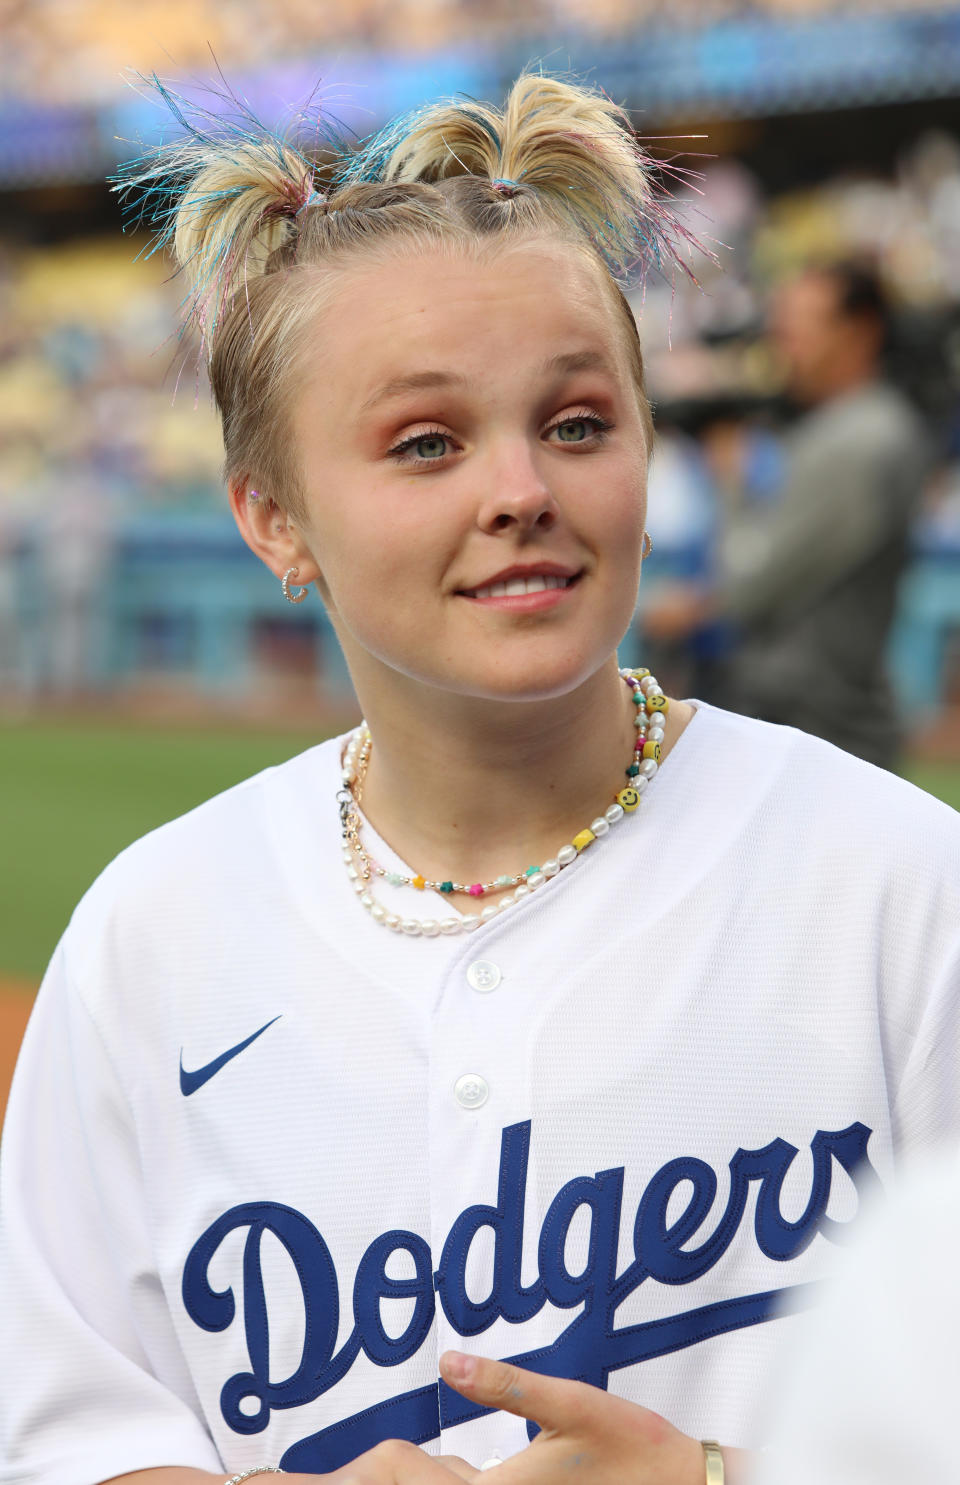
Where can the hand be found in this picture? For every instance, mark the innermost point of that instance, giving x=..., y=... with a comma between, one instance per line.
x=394, y=1462
x=587, y=1435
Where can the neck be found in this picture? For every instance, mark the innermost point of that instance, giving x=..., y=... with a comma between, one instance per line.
x=476, y=789
x=838, y=380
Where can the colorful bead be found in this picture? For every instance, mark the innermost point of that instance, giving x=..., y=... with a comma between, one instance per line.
x=652, y=707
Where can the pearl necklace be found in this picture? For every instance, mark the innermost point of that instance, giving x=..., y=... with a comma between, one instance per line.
x=649, y=720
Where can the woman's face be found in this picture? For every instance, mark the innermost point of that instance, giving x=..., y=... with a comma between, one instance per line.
x=467, y=424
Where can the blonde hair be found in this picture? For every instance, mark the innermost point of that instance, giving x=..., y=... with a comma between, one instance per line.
x=251, y=221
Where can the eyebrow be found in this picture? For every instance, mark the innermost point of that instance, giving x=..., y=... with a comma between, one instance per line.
x=576, y=361
x=416, y=381
x=419, y=381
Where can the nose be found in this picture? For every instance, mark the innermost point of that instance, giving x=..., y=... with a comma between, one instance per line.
x=517, y=493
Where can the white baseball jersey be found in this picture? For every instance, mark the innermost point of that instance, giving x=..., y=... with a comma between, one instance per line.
x=265, y=1160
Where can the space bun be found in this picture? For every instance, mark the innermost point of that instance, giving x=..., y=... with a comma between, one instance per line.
x=568, y=143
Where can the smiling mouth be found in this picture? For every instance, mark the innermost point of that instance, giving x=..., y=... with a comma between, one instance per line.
x=519, y=587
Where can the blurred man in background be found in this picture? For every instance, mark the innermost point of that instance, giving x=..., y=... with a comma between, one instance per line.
x=810, y=583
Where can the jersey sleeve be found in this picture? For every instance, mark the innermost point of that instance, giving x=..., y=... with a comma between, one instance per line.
x=92, y=1381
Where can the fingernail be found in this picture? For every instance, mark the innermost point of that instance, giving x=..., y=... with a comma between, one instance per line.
x=458, y=1366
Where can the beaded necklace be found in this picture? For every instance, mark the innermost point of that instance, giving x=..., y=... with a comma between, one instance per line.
x=650, y=722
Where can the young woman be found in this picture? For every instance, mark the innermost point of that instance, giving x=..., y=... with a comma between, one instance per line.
x=540, y=1036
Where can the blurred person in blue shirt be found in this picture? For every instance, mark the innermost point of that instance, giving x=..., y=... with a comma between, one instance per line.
x=809, y=582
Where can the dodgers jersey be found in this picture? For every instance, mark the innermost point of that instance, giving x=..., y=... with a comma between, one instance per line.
x=265, y=1160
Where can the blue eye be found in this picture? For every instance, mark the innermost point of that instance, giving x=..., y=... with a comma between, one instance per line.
x=434, y=446
x=422, y=448
x=590, y=428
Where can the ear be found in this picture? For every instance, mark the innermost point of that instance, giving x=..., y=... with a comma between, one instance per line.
x=272, y=534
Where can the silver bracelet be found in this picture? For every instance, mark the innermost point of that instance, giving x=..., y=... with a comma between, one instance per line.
x=258, y=1469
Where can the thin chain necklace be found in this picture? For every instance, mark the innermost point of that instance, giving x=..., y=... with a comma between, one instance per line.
x=649, y=721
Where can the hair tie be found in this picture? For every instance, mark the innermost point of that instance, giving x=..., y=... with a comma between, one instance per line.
x=505, y=187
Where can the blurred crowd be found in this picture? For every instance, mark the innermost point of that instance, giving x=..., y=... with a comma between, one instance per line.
x=70, y=51
x=89, y=363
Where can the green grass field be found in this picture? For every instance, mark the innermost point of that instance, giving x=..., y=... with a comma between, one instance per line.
x=72, y=796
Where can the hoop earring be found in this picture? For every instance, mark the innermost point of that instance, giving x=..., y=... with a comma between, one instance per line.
x=647, y=546
x=300, y=594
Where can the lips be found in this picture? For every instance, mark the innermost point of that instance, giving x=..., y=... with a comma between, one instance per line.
x=518, y=587
x=517, y=582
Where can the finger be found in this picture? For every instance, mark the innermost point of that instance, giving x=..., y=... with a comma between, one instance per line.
x=458, y=1466
x=557, y=1404
x=396, y=1462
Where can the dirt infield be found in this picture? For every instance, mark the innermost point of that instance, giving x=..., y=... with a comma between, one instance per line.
x=16, y=998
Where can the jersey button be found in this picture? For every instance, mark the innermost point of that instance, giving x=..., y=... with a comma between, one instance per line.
x=483, y=976
x=471, y=1091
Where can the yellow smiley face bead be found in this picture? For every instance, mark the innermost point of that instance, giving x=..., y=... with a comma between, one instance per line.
x=657, y=703
x=652, y=750
x=584, y=839
x=628, y=799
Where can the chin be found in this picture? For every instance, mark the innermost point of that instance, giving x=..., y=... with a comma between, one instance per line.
x=523, y=679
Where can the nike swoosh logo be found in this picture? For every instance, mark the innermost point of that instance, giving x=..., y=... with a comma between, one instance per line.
x=191, y=1081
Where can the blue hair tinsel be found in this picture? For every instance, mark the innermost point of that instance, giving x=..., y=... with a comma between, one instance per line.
x=155, y=185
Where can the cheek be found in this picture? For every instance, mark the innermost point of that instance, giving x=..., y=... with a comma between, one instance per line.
x=377, y=560
x=625, y=495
